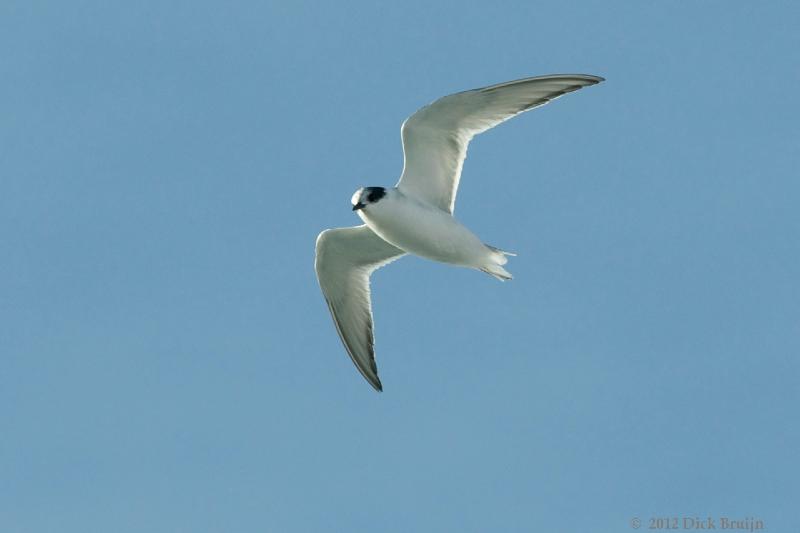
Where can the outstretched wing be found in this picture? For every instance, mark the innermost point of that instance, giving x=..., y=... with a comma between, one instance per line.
x=435, y=138
x=345, y=259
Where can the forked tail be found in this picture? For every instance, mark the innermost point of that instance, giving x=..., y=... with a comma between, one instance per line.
x=498, y=272
x=496, y=261
x=499, y=251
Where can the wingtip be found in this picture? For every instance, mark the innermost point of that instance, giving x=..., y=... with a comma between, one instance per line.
x=591, y=78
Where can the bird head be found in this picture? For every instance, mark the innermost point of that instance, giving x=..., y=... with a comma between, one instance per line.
x=366, y=196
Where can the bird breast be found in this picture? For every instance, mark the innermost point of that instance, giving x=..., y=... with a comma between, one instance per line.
x=423, y=230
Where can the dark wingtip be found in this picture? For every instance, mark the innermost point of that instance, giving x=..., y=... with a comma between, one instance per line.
x=377, y=384
x=591, y=78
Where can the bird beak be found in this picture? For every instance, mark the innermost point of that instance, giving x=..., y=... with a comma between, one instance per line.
x=358, y=206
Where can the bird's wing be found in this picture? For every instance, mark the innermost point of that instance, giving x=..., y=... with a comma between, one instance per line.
x=345, y=259
x=435, y=138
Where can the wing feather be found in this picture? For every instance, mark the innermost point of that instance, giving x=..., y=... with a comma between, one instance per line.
x=435, y=138
x=345, y=259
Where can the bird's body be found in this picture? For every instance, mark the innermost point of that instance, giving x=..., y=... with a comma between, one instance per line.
x=416, y=216
x=419, y=228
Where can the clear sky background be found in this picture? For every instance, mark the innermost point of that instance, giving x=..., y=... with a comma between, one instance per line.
x=168, y=364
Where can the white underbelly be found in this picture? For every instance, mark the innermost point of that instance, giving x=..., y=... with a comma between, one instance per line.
x=425, y=231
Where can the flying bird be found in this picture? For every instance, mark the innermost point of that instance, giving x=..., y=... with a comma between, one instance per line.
x=416, y=216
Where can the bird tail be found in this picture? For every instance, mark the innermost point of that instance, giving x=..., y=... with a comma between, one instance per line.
x=495, y=266
x=499, y=251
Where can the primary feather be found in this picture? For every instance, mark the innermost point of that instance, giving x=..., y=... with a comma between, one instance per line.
x=345, y=258
x=436, y=137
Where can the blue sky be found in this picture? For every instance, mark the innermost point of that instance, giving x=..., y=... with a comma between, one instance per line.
x=167, y=362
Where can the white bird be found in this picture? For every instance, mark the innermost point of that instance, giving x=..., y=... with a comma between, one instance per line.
x=416, y=216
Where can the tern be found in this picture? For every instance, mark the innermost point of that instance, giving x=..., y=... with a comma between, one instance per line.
x=416, y=216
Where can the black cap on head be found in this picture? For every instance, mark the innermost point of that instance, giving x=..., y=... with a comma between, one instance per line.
x=367, y=195
x=374, y=193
